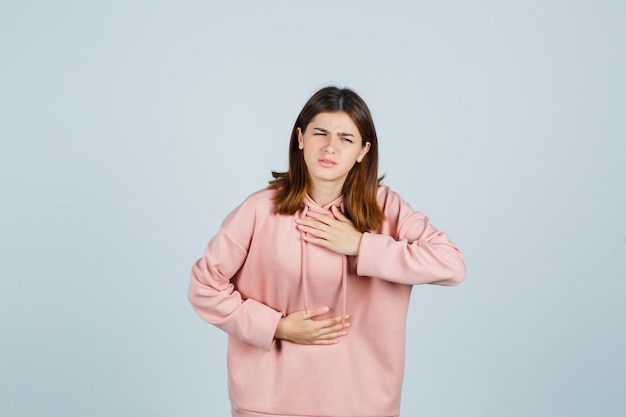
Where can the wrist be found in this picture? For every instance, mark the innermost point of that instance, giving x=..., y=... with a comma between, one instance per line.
x=278, y=334
x=358, y=245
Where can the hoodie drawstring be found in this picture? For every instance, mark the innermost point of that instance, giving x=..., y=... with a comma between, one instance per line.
x=344, y=288
x=303, y=264
x=304, y=269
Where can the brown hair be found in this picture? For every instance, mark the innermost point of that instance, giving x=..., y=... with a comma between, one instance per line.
x=361, y=185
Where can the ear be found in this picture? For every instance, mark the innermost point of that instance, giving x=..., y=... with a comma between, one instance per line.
x=364, y=150
x=300, y=139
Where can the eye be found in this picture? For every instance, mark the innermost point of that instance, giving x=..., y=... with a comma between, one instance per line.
x=346, y=139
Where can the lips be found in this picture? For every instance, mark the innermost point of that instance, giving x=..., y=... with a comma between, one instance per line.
x=327, y=163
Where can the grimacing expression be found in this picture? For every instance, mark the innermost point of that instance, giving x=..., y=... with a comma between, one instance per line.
x=332, y=144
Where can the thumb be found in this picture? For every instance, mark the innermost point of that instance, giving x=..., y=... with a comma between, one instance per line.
x=338, y=214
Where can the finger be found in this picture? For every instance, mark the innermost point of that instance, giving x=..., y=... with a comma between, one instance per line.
x=313, y=231
x=324, y=342
x=316, y=312
x=332, y=332
x=335, y=322
x=320, y=217
x=317, y=241
x=338, y=214
x=312, y=224
x=309, y=222
x=333, y=335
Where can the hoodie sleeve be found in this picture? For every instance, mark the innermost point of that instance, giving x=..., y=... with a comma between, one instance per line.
x=215, y=298
x=408, y=249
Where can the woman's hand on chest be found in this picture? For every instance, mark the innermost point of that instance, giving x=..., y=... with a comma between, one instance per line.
x=334, y=233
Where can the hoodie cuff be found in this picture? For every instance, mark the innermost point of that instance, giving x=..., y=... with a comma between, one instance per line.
x=261, y=326
x=368, y=261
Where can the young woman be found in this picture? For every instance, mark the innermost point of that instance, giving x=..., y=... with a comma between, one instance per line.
x=311, y=277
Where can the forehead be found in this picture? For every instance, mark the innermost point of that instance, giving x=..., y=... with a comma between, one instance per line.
x=334, y=122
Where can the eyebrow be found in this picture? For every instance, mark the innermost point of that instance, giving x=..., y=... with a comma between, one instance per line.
x=327, y=131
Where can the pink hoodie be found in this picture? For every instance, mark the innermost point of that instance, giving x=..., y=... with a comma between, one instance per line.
x=258, y=269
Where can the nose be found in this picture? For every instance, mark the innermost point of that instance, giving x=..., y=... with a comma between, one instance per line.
x=331, y=146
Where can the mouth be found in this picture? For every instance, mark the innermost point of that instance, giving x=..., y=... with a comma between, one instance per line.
x=327, y=163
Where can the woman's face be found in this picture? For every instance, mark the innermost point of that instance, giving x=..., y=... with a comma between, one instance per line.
x=332, y=145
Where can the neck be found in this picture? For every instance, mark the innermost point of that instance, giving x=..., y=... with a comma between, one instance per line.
x=324, y=193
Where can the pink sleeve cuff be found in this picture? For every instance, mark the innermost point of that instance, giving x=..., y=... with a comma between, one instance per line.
x=259, y=324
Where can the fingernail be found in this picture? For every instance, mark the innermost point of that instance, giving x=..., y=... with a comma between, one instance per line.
x=325, y=309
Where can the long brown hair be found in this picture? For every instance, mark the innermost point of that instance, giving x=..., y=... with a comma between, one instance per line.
x=361, y=185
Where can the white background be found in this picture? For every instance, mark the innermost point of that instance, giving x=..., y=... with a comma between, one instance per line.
x=129, y=129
